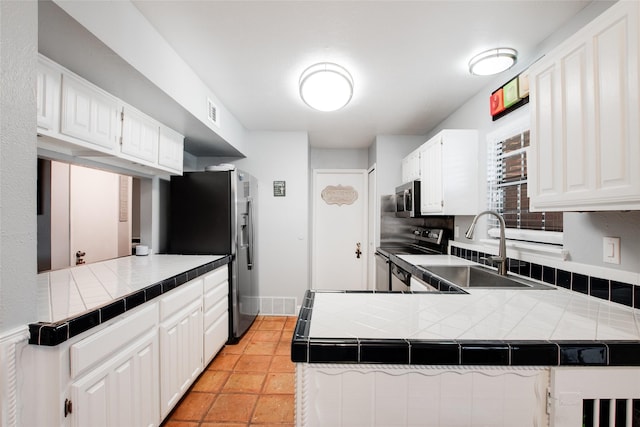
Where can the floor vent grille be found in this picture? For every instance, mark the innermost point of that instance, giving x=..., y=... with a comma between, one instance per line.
x=278, y=306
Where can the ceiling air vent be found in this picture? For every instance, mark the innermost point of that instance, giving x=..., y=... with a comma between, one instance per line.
x=212, y=112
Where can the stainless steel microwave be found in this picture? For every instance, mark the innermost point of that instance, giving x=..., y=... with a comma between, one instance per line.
x=408, y=200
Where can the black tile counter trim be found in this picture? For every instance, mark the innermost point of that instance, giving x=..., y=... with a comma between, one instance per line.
x=54, y=333
x=622, y=293
x=399, y=351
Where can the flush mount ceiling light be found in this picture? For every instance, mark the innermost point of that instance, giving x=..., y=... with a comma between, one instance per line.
x=493, y=61
x=326, y=86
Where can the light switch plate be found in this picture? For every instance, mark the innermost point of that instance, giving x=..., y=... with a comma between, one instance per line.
x=611, y=250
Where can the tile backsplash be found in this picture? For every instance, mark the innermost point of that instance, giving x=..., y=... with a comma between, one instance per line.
x=599, y=287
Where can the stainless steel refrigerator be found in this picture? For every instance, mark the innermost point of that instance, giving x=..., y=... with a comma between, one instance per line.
x=213, y=213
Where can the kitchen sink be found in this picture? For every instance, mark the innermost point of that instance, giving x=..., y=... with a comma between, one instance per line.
x=481, y=277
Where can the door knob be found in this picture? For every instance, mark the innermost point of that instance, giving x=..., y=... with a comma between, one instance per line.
x=358, y=251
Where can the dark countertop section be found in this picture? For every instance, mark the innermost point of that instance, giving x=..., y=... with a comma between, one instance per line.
x=54, y=333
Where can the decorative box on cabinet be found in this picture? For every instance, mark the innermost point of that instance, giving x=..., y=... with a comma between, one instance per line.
x=89, y=115
x=216, y=312
x=449, y=173
x=585, y=141
x=180, y=342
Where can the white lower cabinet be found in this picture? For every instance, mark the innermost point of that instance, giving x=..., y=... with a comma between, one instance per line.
x=216, y=312
x=132, y=371
x=180, y=342
x=120, y=392
x=115, y=374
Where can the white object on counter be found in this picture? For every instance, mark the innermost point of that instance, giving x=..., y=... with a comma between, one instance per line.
x=142, y=250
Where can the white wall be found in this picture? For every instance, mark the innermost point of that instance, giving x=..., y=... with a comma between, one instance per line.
x=283, y=222
x=18, y=249
x=326, y=158
x=387, y=153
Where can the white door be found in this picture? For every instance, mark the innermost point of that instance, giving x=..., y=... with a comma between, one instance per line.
x=340, y=244
x=94, y=214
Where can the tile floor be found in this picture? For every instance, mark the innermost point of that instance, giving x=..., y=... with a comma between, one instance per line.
x=247, y=384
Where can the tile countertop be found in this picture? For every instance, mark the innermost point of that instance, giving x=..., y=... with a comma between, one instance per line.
x=73, y=300
x=482, y=327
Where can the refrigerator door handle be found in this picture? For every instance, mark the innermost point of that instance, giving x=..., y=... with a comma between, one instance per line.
x=251, y=235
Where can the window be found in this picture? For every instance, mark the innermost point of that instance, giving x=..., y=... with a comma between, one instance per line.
x=507, y=189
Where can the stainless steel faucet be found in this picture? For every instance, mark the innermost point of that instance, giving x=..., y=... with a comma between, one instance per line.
x=501, y=259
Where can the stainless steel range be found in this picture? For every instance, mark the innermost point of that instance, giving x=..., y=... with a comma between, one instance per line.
x=391, y=277
x=406, y=236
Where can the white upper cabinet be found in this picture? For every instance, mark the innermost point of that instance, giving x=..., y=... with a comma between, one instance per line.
x=171, y=149
x=89, y=114
x=48, y=95
x=449, y=173
x=77, y=118
x=140, y=135
x=585, y=140
x=411, y=167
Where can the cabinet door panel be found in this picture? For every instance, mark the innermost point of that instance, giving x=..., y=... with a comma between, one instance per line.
x=92, y=403
x=543, y=126
x=612, y=65
x=171, y=149
x=584, y=110
x=575, y=139
x=140, y=136
x=431, y=186
x=181, y=349
x=122, y=410
x=48, y=96
x=88, y=114
x=123, y=391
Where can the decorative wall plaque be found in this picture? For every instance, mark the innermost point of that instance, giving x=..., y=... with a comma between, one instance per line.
x=339, y=195
x=279, y=188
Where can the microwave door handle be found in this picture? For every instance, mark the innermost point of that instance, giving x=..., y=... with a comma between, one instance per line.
x=405, y=199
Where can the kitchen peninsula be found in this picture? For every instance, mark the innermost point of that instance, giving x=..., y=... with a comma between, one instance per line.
x=122, y=340
x=484, y=357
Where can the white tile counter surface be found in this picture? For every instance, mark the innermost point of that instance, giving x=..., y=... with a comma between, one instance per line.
x=482, y=314
x=72, y=291
x=482, y=326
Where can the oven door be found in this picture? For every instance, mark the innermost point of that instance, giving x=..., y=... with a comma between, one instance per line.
x=400, y=279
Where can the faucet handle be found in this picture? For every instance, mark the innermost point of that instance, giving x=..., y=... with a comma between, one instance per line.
x=493, y=259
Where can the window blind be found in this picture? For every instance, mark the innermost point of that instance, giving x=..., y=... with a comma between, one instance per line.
x=507, y=180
